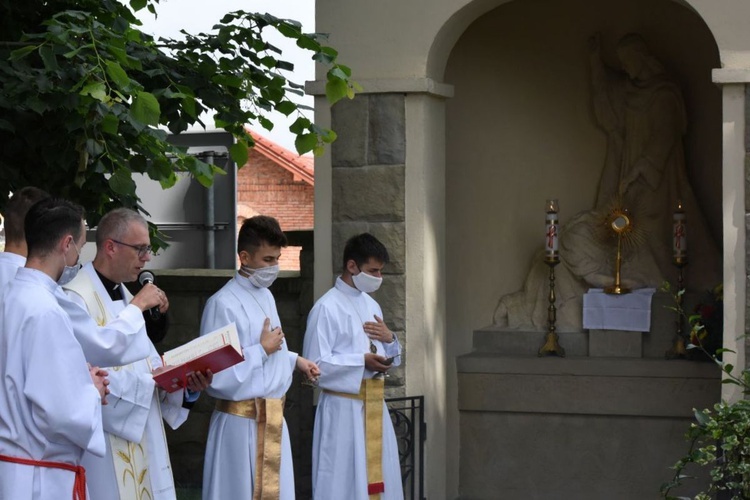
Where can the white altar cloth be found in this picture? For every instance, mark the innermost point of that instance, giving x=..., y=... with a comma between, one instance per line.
x=628, y=312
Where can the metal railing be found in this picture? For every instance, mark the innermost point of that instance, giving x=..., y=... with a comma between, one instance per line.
x=407, y=415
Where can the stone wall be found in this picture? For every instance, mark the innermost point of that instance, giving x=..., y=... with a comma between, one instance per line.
x=368, y=162
x=188, y=291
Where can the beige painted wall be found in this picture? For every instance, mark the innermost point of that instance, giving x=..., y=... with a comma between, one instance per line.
x=401, y=39
x=520, y=129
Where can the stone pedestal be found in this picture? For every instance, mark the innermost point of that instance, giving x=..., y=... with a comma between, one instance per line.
x=615, y=344
x=607, y=421
x=577, y=427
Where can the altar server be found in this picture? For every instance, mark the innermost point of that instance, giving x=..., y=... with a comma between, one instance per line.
x=347, y=337
x=248, y=454
x=50, y=400
x=136, y=465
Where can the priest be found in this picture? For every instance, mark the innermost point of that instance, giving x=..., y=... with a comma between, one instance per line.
x=137, y=463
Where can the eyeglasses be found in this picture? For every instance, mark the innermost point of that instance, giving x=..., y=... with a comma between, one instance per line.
x=141, y=249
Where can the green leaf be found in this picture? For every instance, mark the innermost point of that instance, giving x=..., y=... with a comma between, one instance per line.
x=308, y=43
x=188, y=105
x=138, y=4
x=289, y=31
x=110, y=124
x=97, y=90
x=22, y=52
x=701, y=417
x=338, y=72
x=305, y=143
x=117, y=74
x=300, y=125
x=121, y=182
x=284, y=65
x=145, y=108
x=265, y=123
x=336, y=90
x=286, y=107
x=48, y=58
x=328, y=136
x=238, y=152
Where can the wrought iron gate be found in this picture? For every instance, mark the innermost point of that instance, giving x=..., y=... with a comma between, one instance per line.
x=407, y=415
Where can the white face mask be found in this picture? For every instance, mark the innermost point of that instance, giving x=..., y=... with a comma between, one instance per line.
x=365, y=282
x=69, y=272
x=263, y=277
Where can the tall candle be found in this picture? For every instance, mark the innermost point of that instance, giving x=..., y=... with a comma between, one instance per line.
x=679, y=233
x=552, y=231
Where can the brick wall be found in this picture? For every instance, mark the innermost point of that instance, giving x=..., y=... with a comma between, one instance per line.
x=266, y=188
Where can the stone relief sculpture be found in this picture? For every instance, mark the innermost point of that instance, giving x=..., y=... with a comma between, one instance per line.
x=642, y=113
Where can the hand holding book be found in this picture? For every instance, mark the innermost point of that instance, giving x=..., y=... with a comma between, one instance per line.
x=200, y=358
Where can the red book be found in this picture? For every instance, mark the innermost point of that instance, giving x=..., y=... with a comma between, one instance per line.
x=214, y=351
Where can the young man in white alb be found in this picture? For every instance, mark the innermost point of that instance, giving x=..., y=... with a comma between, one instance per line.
x=347, y=337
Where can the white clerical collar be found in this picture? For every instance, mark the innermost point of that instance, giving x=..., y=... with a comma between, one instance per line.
x=344, y=287
x=244, y=282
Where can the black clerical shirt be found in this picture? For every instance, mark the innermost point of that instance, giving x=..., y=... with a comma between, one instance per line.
x=156, y=329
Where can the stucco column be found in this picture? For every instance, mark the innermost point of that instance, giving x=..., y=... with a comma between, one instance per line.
x=736, y=208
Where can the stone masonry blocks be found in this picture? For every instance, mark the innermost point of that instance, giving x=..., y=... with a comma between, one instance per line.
x=369, y=194
x=386, y=143
x=391, y=234
x=349, y=120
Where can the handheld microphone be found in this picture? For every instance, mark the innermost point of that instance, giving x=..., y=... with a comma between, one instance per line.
x=144, y=279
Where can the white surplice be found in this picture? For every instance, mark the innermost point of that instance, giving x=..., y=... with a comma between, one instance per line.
x=335, y=339
x=49, y=407
x=134, y=413
x=229, y=467
x=10, y=263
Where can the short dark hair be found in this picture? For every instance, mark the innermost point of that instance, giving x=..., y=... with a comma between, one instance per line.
x=116, y=223
x=363, y=247
x=16, y=209
x=48, y=221
x=257, y=230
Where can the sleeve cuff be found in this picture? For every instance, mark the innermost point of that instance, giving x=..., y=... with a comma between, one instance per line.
x=190, y=396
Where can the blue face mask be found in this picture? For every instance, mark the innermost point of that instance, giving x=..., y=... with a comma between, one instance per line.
x=70, y=272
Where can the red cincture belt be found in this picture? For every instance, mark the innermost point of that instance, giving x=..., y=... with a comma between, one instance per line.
x=79, y=487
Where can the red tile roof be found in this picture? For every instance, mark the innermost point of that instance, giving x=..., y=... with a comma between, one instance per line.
x=302, y=167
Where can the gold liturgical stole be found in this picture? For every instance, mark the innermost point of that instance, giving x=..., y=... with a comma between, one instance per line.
x=371, y=393
x=269, y=415
x=130, y=460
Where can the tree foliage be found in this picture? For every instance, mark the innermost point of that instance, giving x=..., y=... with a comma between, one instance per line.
x=88, y=99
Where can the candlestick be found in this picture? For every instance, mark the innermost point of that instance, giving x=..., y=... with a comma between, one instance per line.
x=551, y=344
x=679, y=235
x=680, y=258
x=552, y=231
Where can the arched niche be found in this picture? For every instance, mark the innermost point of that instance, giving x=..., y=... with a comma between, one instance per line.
x=520, y=129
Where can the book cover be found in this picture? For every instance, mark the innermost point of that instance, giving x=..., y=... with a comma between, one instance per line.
x=214, y=351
